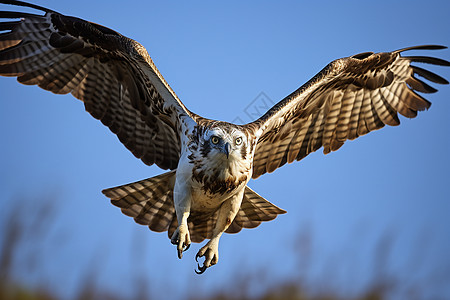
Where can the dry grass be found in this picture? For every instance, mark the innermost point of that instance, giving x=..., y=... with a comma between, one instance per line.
x=35, y=222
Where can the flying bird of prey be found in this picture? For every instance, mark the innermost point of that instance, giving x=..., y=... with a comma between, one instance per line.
x=205, y=192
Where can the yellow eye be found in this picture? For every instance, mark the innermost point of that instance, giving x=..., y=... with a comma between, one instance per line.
x=214, y=140
x=238, y=141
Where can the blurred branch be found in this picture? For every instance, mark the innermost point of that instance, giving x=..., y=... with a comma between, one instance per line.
x=13, y=231
x=26, y=223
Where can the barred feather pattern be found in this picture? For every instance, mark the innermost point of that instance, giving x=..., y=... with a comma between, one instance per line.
x=119, y=84
x=150, y=202
x=349, y=98
x=113, y=75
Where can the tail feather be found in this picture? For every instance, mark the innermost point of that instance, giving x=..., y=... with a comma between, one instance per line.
x=254, y=210
x=150, y=202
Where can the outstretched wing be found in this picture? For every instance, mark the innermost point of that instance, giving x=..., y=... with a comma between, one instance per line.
x=113, y=75
x=349, y=98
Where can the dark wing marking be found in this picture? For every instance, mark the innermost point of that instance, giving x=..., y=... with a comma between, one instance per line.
x=113, y=75
x=349, y=98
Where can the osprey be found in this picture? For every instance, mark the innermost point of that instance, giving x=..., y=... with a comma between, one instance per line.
x=205, y=193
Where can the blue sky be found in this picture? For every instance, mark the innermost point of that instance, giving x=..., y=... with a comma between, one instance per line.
x=218, y=57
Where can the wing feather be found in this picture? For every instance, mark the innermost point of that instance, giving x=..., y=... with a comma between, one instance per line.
x=331, y=120
x=349, y=98
x=345, y=114
x=113, y=75
x=355, y=114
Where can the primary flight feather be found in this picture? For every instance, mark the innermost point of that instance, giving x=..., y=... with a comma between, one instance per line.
x=211, y=162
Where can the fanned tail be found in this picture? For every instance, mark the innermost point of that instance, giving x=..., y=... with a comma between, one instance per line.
x=253, y=211
x=150, y=203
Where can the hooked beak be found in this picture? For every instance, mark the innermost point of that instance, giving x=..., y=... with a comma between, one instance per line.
x=227, y=149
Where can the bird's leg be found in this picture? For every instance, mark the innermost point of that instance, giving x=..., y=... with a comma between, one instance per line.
x=210, y=251
x=181, y=237
x=182, y=202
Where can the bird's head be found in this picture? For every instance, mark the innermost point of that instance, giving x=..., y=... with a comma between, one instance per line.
x=226, y=142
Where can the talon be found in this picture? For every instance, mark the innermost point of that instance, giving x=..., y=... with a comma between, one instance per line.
x=201, y=269
x=209, y=252
x=185, y=248
x=181, y=239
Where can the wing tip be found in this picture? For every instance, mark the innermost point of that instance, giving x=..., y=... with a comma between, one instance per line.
x=428, y=60
x=422, y=47
x=26, y=4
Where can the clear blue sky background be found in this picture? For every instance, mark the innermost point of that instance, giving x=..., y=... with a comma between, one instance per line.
x=218, y=57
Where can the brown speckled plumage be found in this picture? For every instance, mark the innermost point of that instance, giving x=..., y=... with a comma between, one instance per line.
x=206, y=192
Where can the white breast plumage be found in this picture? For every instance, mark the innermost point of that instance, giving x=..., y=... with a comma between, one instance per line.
x=210, y=161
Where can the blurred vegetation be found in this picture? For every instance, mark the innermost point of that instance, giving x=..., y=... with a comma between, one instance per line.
x=30, y=223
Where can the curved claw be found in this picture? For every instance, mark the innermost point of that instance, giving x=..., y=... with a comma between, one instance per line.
x=185, y=248
x=201, y=269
